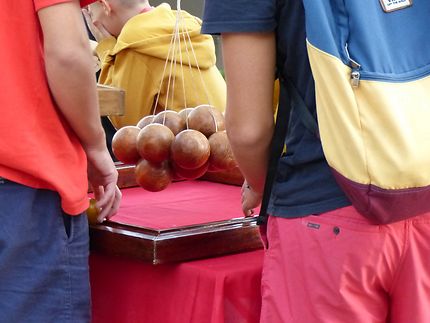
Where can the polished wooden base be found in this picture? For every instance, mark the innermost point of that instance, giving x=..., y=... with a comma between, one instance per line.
x=178, y=244
x=174, y=244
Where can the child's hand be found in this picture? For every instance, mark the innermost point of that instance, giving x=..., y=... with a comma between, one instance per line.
x=96, y=28
x=96, y=59
x=250, y=199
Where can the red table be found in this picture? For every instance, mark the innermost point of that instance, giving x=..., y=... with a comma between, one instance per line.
x=180, y=204
x=214, y=290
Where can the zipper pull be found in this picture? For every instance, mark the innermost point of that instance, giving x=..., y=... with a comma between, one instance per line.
x=355, y=78
x=355, y=74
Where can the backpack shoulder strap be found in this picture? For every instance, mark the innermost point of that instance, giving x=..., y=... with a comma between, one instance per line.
x=286, y=104
x=276, y=147
x=299, y=106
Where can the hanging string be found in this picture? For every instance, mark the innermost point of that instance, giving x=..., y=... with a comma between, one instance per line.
x=172, y=60
x=195, y=59
x=178, y=13
x=172, y=55
x=162, y=76
x=186, y=33
x=193, y=77
x=173, y=68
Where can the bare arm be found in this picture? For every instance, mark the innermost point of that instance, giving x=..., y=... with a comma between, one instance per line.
x=249, y=61
x=72, y=83
x=69, y=69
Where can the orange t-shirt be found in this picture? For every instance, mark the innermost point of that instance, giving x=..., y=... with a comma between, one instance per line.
x=37, y=147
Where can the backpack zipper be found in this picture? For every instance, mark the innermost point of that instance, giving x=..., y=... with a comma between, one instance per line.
x=355, y=67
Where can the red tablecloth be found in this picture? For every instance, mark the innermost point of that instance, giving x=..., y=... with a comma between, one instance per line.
x=180, y=204
x=216, y=290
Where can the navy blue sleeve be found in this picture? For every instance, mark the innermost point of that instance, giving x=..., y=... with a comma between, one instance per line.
x=221, y=16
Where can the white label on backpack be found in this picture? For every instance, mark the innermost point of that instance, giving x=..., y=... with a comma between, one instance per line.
x=392, y=5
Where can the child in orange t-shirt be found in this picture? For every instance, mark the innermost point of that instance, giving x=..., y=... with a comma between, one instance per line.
x=51, y=135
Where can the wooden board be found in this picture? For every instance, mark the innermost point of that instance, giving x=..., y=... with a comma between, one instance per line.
x=111, y=100
x=159, y=246
x=178, y=244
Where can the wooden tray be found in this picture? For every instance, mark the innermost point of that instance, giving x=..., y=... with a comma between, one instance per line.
x=178, y=244
x=159, y=246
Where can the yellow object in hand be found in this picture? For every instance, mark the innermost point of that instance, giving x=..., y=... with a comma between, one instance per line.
x=93, y=212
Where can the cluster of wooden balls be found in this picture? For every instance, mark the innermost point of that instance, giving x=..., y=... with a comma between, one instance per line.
x=174, y=145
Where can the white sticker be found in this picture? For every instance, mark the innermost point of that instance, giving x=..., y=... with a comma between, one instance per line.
x=392, y=5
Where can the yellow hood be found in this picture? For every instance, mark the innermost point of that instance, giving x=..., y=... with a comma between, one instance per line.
x=150, y=33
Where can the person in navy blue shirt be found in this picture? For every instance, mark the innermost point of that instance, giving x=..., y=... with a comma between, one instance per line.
x=320, y=253
x=304, y=184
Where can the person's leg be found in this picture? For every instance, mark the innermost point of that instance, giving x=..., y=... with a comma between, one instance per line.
x=43, y=258
x=331, y=268
x=411, y=287
x=77, y=267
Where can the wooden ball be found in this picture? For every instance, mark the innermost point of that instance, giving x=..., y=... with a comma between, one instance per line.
x=124, y=144
x=93, y=212
x=190, y=149
x=184, y=114
x=153, y=177
x=221, y=157
x=175, y=176
x=146, y=120
x=170, y=119
x=206, y=119
x=190, y=174
x=154, y=141
x=213, y=169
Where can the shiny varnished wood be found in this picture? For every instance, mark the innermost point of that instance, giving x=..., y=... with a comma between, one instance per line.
x=178, y=244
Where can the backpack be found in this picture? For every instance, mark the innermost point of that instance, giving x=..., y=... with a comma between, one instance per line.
x=370, y=60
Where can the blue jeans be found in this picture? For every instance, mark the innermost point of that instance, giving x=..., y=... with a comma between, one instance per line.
x=43, y=258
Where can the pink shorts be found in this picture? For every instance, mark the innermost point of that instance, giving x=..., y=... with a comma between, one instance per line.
x=337, y=268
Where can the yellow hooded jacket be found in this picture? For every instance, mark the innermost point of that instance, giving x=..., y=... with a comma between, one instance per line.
x=136, y=62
